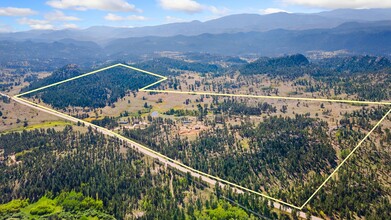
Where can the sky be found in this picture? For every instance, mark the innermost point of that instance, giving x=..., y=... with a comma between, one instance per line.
x=22, y=15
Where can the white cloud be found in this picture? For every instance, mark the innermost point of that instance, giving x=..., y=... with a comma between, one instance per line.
x=333, y=4
x=36, y=24
x=191, y=7
x=272, y=11
x=104, y=5
x=219, y=11
x=5, y=28
x=10, y=11
x=170, y=19
x=114, y=17
x=60, y=16
x=188, y=6
x=70, y=26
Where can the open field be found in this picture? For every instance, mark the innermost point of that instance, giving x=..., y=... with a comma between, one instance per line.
x=17, y=117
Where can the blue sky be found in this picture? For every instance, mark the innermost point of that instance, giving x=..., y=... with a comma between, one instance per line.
x=20, y=15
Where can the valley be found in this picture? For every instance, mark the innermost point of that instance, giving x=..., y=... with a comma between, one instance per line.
x=235, y=139
x=193, y=109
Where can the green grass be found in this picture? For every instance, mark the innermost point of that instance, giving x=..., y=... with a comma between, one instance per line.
x=245, y=143
x=46, y=124
x=21, y=154
x=295, y=93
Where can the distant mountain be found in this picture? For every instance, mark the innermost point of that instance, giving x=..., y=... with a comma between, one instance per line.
x=271, y=43
x=49, y=56
x=360, y=38
x=358, y=15
x=363, y=27
x=228, y=24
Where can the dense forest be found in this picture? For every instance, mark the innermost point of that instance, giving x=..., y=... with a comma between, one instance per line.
x=106, y=87
x=293, y=65
x=367, y=77
x=356, y=64
x=61, y=74
x=68, y=174
x=277, y=154
x=262, y=154
x=97, y=90
x=362, y=186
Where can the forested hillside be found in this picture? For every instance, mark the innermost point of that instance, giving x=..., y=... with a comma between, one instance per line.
x=59, y=75
x=68, y=174
x=360, y=77
x=362, y=186
x=270, y=155
x=275, y=66
x=97, y=90
x=290, y=157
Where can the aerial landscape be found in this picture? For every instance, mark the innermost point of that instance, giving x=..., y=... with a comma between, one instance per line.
x=193, y=109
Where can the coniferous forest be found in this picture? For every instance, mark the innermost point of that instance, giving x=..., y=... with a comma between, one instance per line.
x=282, y=148
x=94, y=91
x=71, y=175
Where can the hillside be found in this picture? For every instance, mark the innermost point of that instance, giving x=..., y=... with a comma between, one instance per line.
x=275, y=65
x=66, y=72
x=97, y=177
x=97, y=90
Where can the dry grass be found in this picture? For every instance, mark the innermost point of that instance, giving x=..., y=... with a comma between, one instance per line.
x=14, y=113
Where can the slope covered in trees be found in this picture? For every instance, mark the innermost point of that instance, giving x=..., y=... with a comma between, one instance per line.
x=292, y=64
x=357, y=64
x=361, y=188
x=61, y=74
x=73, y=175
x=264, y=157
x=97, y=90
x=289, y=158
x=366, y=77
x=362, y=77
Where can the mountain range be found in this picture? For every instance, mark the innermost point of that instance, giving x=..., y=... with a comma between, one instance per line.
x=228, y=24
x=356, y=31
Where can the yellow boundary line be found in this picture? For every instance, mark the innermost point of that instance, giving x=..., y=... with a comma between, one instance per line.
x=269, y=97
x=347, y=157
x=163, y=78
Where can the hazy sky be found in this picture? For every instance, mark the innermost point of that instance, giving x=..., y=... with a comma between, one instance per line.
x=17, y=15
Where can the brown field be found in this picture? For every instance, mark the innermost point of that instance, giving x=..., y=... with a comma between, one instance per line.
x=249, y=85
x=15, y=114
